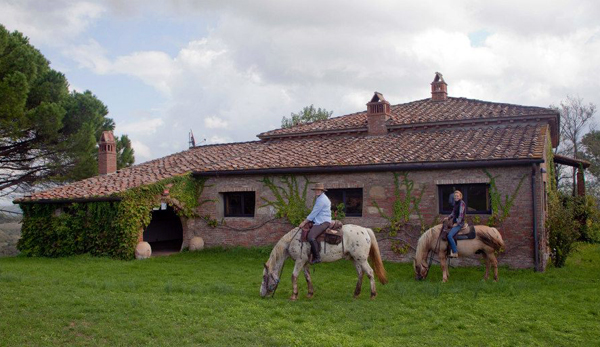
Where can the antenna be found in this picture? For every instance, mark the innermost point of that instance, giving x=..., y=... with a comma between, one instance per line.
x=192, y=141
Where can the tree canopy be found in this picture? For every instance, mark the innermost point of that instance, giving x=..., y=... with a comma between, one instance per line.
x=125, y=153
x=307, y=115
x=575, y=118
x=46, y=132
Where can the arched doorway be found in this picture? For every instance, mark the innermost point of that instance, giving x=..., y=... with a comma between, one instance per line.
x=165, y=233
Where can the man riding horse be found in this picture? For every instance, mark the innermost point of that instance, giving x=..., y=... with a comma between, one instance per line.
x=321, y=219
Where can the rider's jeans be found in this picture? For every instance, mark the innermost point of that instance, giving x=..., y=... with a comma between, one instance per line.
x=451, y=234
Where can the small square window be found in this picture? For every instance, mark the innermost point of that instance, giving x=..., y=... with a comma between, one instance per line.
x=476, y=196
x=239, y=204
x=351, y=198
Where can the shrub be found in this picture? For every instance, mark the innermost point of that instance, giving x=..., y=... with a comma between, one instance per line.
x=563, y=229
x=586, y=213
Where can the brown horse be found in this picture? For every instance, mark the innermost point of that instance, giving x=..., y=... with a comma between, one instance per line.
x=487, y=241
x=359, y=245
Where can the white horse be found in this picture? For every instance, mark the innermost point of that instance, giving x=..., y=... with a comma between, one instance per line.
x=358, y=244
x=487, y=241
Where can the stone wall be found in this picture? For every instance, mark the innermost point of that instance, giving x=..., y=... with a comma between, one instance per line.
x=10, y=233
x=264, y=229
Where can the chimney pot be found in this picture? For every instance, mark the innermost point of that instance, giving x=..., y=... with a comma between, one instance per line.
x=378, y=112
x=107, y=153
x=439, y=88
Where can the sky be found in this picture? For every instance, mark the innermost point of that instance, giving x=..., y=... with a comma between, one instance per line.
x=229, y=70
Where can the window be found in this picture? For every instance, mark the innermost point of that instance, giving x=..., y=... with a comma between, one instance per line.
x=351, y=198
x=239, y=204
x=476, y=196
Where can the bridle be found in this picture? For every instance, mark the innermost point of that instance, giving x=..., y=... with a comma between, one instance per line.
x=431, y=253
x=270, y=281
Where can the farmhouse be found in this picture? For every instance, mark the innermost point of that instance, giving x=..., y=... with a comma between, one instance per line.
x=392, y=166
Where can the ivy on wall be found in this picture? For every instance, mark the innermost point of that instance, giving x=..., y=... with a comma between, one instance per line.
x=500, y=208
x=290, y=200
x=405, y=203
x=104, y=228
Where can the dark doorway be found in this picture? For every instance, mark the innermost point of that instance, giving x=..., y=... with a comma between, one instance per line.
x=165, y=233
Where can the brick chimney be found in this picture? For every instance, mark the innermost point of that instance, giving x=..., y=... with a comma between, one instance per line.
x=439, y=88
x=107, y=153
x=378, y=112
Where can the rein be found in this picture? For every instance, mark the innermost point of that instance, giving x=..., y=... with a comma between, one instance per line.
x=282, y=266
x=437, y=248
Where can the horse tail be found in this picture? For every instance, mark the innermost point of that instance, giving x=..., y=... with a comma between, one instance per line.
x=375, y=258
x=491, y=238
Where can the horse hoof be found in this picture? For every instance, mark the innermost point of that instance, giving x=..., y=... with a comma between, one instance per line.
x=293, y=298
x=309, y=295
x=373, y=296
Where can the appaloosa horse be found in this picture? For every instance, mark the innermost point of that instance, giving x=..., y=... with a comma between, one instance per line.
x=359, y=244
x=487, y=241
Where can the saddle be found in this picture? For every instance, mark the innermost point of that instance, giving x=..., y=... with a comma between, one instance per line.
x=466, y=233
x=333, y=234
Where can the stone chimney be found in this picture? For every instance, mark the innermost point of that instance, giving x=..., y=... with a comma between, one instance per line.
x=378, y=112
x=439, y=88
x=107, y=153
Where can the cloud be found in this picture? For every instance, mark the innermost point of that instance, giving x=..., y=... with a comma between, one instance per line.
x=261, y=60
x=141, y=127
x=215, y=123
x=218, y=139
x=142, y=152
x=50, y=23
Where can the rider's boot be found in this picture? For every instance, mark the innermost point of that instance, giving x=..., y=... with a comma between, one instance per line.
x=314, y=247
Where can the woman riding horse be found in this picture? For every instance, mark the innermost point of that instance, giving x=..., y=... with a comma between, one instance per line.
x=458, y=218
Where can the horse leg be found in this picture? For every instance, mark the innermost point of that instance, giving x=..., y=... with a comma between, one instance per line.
x=360, y=272
x=487, y=266
x=311, y=290
x=369, y=271
x=494, y=262
x=444, y=265
x=297, y=267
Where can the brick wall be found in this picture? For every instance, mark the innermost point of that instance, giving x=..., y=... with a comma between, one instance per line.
x=264, y=229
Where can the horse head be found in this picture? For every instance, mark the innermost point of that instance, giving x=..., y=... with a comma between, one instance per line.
x=421, y=270
x=269, y=283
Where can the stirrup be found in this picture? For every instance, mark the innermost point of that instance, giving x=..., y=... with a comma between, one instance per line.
x=315, y=260
x=453, y=255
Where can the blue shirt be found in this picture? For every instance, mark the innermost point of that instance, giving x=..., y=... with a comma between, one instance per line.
x=321, y=212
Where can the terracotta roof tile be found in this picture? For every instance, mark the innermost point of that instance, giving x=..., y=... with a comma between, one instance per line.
x=421, y=111
x=497, y=142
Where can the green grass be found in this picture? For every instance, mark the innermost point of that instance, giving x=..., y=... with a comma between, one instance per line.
x=212, y=298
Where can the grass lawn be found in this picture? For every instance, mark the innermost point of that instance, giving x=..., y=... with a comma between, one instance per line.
x=212, y=298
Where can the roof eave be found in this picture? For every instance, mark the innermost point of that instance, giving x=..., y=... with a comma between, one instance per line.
x=68, y=200
x=372, y=168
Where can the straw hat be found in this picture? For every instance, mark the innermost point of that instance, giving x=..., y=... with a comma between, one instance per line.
x=319, y=186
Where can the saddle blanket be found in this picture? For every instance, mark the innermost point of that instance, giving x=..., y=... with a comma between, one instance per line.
x=333, y=234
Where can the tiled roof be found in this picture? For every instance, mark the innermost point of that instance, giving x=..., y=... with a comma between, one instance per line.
x=497, y=142
x=421, y=111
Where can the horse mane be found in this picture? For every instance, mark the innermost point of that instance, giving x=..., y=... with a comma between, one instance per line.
x=280, y=248
x=424, y=243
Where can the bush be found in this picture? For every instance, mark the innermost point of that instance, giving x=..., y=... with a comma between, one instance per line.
x=586, y=213
x=563, y=229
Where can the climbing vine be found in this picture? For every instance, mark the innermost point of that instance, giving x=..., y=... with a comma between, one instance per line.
x=405, y=203
x=290, y=200
x=501, y=209
x=104, y=228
